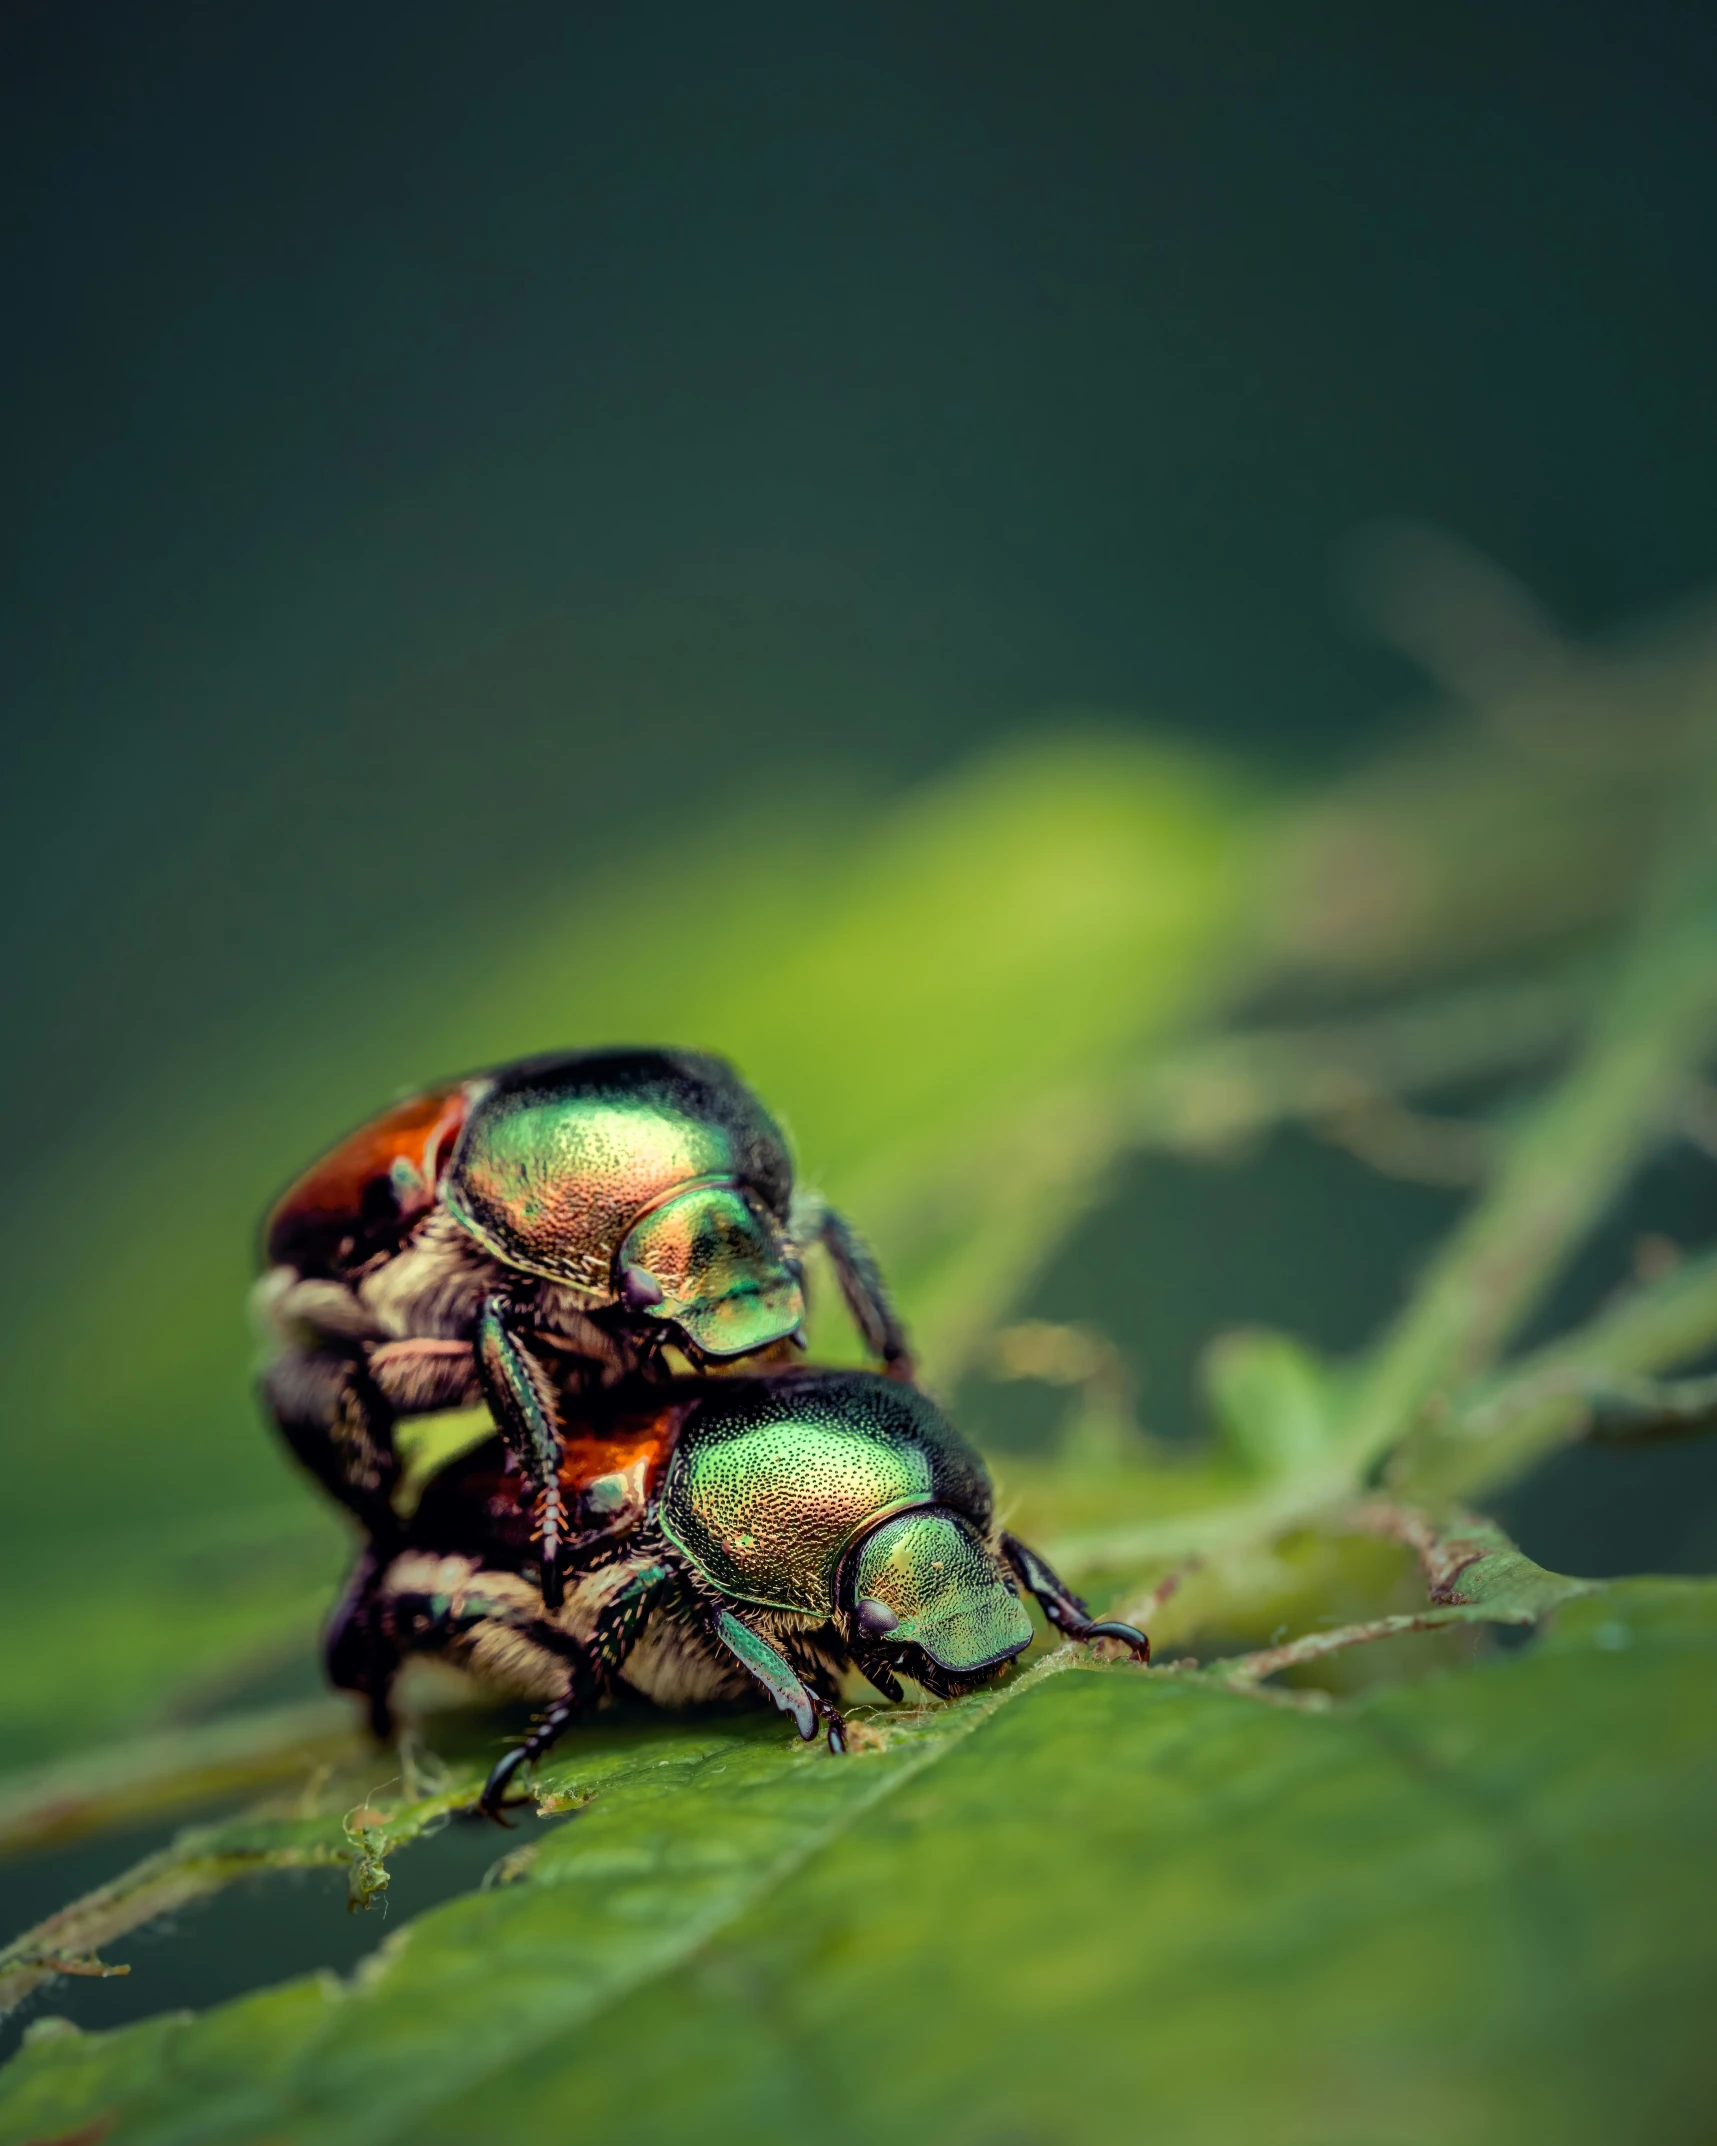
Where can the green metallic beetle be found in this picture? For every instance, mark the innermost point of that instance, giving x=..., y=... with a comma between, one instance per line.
x=526, y=1237
x=736, y=1532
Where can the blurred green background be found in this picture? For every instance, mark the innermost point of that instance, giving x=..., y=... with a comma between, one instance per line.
x=857, y=537
x=441, y=449
x=451, y=461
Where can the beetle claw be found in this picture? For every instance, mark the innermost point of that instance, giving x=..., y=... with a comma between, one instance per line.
x=494, y=1800
x=495, y=1808
x=1127, y=1634
x=834, y=1722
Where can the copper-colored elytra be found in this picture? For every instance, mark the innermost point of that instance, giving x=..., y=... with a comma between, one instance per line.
x=407, y=1147
x=650, y=1436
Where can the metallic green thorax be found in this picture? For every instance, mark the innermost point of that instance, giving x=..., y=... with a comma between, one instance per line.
x=773, y=1481
x=661, y=1163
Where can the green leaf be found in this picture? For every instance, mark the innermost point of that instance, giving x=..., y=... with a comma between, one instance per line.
x=1094, y=1903
x=905, y=989
x=1101, y=1904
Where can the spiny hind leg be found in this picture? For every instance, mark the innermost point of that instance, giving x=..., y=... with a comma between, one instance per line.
x=522, y=1399
x=620, y=1621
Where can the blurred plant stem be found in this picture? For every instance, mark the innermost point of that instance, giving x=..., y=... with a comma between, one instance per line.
x=1501, y=1425
x=1562, y=1166
x=1328, y=1500
x=1559, y=1173
x=131, y=1783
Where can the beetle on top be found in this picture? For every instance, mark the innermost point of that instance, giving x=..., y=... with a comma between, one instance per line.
x=530, y=1236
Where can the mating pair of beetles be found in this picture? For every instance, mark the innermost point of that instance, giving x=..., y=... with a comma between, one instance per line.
x=536, y=1239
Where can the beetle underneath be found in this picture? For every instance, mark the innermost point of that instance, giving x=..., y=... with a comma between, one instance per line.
x=737, y=1533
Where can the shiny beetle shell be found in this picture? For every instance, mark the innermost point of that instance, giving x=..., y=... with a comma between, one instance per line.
x=773, y=1481
x=362, y=1195
x=558, y=1163
x=655, y=1177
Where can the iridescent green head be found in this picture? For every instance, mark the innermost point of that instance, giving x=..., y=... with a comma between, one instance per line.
x=655, y=1179
x=928, y=1580
x=847, y=1496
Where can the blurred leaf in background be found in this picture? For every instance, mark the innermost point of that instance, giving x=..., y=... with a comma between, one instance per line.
x=896, y=990
x=1362, y=1876
x=547, y=525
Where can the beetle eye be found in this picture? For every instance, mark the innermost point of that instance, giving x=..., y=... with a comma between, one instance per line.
x=638, y=1290
x=875, y=1618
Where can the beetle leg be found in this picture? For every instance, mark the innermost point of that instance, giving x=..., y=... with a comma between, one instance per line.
x=494, y=1800
x=590, y=1674
x=520, y=1394
x=380, y=1621
x=834, y=1722
x=1064, y=1609
x=862, y=1285
x=331, y=1413
x=872, y=1664
x=359, y=1653
x=621, y=1620
x=425, y=1623
x=764, y=1661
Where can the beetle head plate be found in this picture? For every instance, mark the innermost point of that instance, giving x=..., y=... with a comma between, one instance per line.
x=710, y=1260
x=929, y=1572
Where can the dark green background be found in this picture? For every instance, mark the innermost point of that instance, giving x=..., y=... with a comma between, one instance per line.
x=442, y=442
x=445, y=448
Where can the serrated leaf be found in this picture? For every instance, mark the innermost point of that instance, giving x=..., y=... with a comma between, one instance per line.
x=1109, y=1905
x=1093, y=1903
